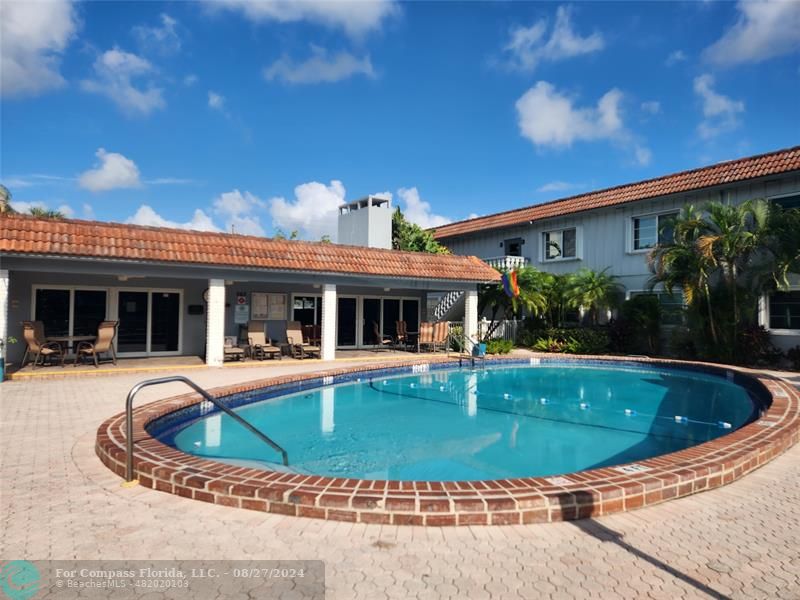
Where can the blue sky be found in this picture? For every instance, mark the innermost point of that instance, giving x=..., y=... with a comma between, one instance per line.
x=265, y=115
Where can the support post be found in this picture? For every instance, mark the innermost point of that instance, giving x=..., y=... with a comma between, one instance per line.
x=4, y=288
x=328, y=322
x=470, y=318
x=215, y=323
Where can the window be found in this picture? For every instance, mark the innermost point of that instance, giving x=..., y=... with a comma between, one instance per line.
x=560, y=244
x=307, y=310
x=788, y=201
x=651, y=230
x=673, y=310
x=70, y=311
x=784, y=310
x=513, y=247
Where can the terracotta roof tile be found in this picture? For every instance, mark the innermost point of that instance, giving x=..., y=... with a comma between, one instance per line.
x=75, y=238
x=780, y=161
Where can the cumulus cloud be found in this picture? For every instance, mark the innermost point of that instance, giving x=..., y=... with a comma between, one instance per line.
x=319, y=67
x=23, y=206
x=111, y=172
x=416, y=210
x=549, y=118
x=239, y=212
x=355, y=17
x=115, y=75
x=720, y=111
x=313, y=211
x=764, y=30
x=530, y=46
x=33, y=35
x=676, y=57
x=145, y=215
x=162, y=39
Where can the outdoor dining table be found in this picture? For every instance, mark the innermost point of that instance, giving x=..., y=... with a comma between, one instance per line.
x=71, y=340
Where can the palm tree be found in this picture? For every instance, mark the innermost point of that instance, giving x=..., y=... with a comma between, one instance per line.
x=45, y=213
x=531, y=298
x=594, y=290
x=5, y=200
x=679, y=264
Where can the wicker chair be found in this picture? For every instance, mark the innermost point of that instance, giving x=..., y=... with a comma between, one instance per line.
x=104, y=344
x=38, y=347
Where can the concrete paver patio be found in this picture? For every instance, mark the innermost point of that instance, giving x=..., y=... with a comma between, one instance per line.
x=59, y=502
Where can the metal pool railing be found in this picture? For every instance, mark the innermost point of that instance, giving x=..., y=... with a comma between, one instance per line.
x=179, y=379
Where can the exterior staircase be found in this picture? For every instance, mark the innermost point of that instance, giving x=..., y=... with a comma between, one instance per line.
x=447, y=305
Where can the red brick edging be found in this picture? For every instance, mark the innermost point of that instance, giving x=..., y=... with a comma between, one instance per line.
x=497, y=502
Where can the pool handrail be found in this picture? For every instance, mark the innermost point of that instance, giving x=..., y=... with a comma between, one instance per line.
x=180, y=379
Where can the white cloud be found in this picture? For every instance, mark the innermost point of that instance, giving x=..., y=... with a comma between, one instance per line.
x=676, y=57
x=764, y=30
x=355, y=17
x=23, y=206
x=720, y=111
x=417, y=210
x=113, y=171
x=319, y=67
x=559, y=186
x=190, y=80
x=550, y=118
x=652, y=107
x=115, y=71
x=313, y=211
x=170, y=181
x=145, y=215
x=528, y=46
x=216, y=101
x=87, y=212
x=238, y=210
x=163, y=39
x=642, y=155
x=33, y=35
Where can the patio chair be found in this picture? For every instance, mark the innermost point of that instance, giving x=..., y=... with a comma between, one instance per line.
x=260, y=345
x=298, y=347
x=441, y=330
x=384, y=341
x=231, y=351
x=425, y=337
x=106, y=332
x=33, y=332
x=401, y=339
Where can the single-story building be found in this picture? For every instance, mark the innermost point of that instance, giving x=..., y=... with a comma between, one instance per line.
x=178, y=292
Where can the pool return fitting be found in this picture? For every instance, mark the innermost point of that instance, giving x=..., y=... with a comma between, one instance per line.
x=129, y=480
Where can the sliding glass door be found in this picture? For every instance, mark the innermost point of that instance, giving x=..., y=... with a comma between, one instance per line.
x=69, y=311
x=149, y=322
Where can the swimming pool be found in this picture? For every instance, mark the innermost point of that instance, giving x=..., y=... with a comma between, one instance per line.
x=464, y=425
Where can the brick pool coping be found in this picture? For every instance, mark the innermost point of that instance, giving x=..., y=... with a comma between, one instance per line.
x=570, y=496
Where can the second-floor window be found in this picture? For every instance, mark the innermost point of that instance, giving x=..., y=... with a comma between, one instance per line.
x=560, y=244
x=513, y=247
x=784, y=310
x=651, y=230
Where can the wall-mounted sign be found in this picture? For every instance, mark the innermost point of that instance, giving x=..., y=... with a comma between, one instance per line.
x=268, y=307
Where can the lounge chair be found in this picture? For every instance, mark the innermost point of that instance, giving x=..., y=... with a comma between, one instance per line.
x=106, y=332
x=33, y=332
x=425, y=337
x=260, y=345
x=402, y=334
x=441, y=331
x=298, y=347
x=384, y=341
x=231, y=351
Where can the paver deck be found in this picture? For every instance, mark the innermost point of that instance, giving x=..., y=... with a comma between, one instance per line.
x=59, y=502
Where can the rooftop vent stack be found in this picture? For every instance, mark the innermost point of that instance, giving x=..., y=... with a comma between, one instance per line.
x=366, y=222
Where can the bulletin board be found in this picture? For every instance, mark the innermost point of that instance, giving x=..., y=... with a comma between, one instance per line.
x=267, y=307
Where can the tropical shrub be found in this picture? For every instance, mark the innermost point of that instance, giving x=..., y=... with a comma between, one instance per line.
x=457, y=338
x=682, y=344
x=580, y=340
x=637, y=329
x=756, y=347
x=793, y=354
x=593, y=291
x=499, y=346
x=550, y=344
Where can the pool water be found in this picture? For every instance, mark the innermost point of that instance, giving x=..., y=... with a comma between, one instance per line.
x=485, y=424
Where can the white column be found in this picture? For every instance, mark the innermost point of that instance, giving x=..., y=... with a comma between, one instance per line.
x=470, y=317
x=4, y=282
x=215, y=323
x=328, y=321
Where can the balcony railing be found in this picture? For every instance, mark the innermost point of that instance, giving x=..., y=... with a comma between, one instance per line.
x=506, y=263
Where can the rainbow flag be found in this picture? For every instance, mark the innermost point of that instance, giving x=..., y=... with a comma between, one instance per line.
x=510, y=284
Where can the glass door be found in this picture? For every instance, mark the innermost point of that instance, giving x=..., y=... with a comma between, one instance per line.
x=346, y=311
x=165, y=321
x=133, y=311
x=371, y=330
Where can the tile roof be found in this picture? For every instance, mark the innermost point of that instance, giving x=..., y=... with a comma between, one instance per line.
x=74, y=238
x=779, y=161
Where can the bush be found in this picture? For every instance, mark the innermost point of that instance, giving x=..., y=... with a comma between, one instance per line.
x=682, y=344
x=637, y=329
x=755, y=347
x=581, y=340
x=793, y=354
x=499, y=346
x=457, y=338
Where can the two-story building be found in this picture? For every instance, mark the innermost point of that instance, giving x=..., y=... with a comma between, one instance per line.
x=617, y=227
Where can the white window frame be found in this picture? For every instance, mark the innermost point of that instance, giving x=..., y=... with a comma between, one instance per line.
x=764, y=315
x=114, y=310
x=629, y=235
x=301, y=295
x=629, y=295
x=578, y=244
